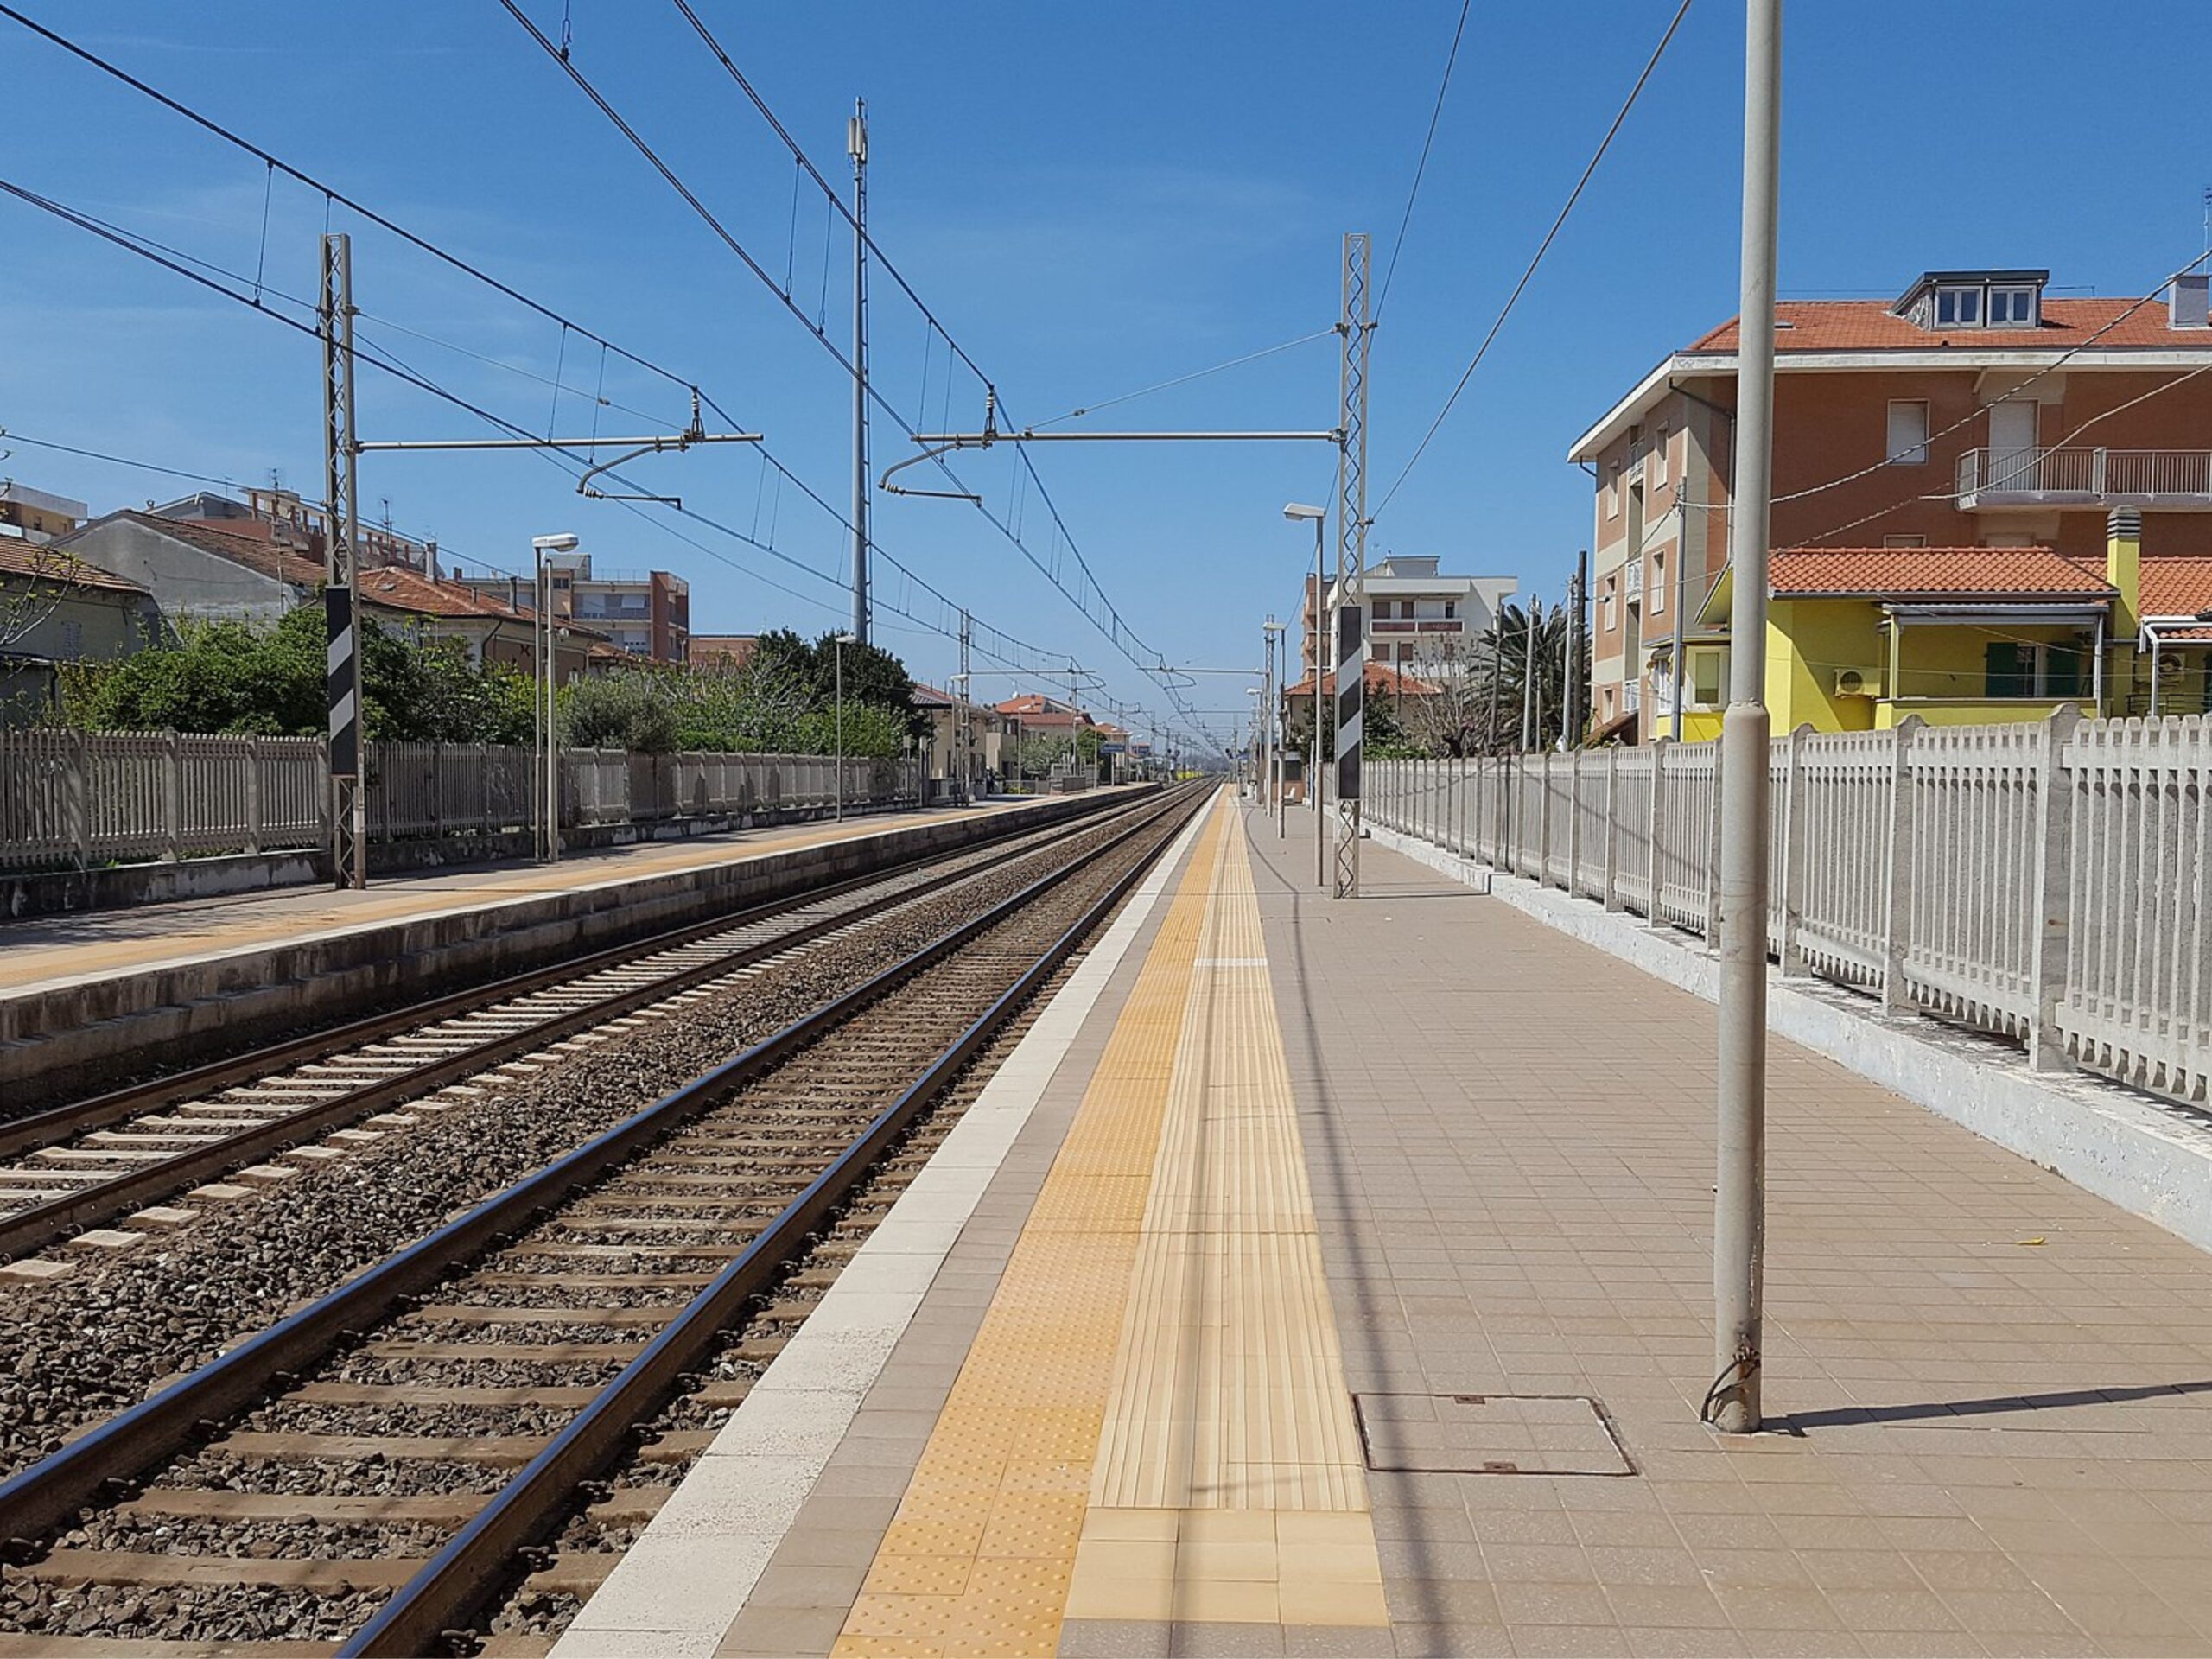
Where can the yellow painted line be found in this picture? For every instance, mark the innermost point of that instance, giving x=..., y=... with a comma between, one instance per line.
x=1153, y=1422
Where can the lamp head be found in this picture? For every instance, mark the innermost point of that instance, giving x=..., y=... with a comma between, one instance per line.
x=564, y=543
x=1295, y=511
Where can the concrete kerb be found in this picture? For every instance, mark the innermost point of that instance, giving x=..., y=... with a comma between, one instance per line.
x=691, y=1571
x=2153, y=1161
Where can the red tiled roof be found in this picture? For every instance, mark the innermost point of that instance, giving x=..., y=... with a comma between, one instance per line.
x=2029, y=573
x=1380, y=677
x=260, y=556
x=928, y=696
x=43, y=564
x=397, y=589
x=1035, y=710
x=2176, y=587
x=1869, y=326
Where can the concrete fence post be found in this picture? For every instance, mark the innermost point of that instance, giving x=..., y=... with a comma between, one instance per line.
x=1898, y=866
x=1611, y=891
x=1712, y=857
x=1573, y=823
x=173, y=796
x=80, y=797
x=2052, y=844
x=1656, y=826
x=1793, y=850
x=1544, y=823
x=253, y=795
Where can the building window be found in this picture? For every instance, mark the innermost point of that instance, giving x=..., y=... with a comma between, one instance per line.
x=1659, y=457
x=1904, y=541
x=2016, y=669
x=2012, y=307
x=1958, y=308
x=1613, y=494
x=1605, y=606
x=1657, y=583
x=1908, y=438
x=1705, y=667
x=1451, y=610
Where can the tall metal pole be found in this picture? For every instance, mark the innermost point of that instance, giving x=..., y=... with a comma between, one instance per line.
x=838, y=650
x=1534, y=621
x=551, y=689
x=341, y=539
x=1320, y=667
x=1739, y=1194
x=963, y=738
x=856, y=147
x=1358, y=330
x=1577, y=670
x=537, y=699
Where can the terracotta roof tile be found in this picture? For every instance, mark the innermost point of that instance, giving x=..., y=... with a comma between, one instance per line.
x=256, y=554
x=43, y=564
x=1380, y=677
x=2176, y=587
x=397, y=589
x=2028, y=573
x=1869, y=326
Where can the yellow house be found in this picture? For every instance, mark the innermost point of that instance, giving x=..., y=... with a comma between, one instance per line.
x=1860, y=637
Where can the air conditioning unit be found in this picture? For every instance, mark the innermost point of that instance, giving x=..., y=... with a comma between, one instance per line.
x=2171, y=662
x=1858, y=683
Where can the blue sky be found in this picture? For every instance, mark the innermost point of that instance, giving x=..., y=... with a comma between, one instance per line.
x=1092, y=199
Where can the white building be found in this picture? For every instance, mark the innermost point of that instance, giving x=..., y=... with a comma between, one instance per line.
x=1417, y=614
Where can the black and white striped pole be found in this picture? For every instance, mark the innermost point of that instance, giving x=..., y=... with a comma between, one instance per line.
x=340, y=596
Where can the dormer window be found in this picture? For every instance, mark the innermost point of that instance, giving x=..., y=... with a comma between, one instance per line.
x=1958, y=308
x=2012, y=307
x=1944, y=300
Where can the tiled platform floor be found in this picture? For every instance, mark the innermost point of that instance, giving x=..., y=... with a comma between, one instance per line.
x=78, y=945
x=1994, y=1391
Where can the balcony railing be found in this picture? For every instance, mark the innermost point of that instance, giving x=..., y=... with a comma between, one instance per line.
x=2179, y=479
x=1633, y=578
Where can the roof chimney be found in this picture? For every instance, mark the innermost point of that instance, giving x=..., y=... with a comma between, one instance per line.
x=2188, y=301
x=2124, y=566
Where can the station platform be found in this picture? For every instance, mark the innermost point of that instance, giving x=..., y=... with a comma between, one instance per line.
x=1333, y=1277
x=84, y=997
x=41, y=950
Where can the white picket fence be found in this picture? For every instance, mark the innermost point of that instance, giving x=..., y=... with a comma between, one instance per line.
x=2051, y=883
x=72, y=799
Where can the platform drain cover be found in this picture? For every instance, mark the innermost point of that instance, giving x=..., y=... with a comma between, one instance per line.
x=1489, y=1434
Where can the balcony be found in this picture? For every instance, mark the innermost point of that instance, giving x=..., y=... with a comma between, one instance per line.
x=2171, y=480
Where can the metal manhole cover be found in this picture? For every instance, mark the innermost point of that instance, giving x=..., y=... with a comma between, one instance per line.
x=1489, y=1434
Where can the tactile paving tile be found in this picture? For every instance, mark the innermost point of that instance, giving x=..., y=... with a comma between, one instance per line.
x=1153, y=1407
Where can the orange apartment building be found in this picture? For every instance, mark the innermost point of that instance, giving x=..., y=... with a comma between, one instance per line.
x=1974, y=414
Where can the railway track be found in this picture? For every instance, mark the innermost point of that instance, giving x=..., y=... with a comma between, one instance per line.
x=76, y=1166
x=377, y=1467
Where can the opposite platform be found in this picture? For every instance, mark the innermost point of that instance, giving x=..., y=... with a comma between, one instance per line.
x=1335, y=1278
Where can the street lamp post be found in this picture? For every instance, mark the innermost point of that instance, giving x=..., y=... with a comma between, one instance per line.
x=1278, y=668
x=545, y=750
x=843, y=640
x=1317, y=517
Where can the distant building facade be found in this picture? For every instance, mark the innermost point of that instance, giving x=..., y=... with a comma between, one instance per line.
x=29, y=515
x=646, y=613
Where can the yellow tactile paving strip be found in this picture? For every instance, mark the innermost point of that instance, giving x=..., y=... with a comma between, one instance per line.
x=152, y=938
x=1151, y=1422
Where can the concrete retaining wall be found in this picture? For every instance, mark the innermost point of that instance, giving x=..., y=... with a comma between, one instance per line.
x=2150, y=1159
x=64, y=1040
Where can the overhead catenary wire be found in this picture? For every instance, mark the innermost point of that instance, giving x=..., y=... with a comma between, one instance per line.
x=1124, y=638
x=1041, y=668
x=1420, y=168
x=1542, y=248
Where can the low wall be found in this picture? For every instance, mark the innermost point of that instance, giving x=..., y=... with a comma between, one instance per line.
x=64, y=1040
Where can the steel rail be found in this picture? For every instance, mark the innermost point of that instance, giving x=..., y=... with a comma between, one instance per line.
x=38, y=1500
x=476, y=1560
x=115, y=1105
x=28, y=1228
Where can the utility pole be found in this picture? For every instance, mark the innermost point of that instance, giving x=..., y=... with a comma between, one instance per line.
x=962, y=738
x=856, y=147
x=1358, y=331
x=341, y=538
x=1534, y=621
x=1739, y=1192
